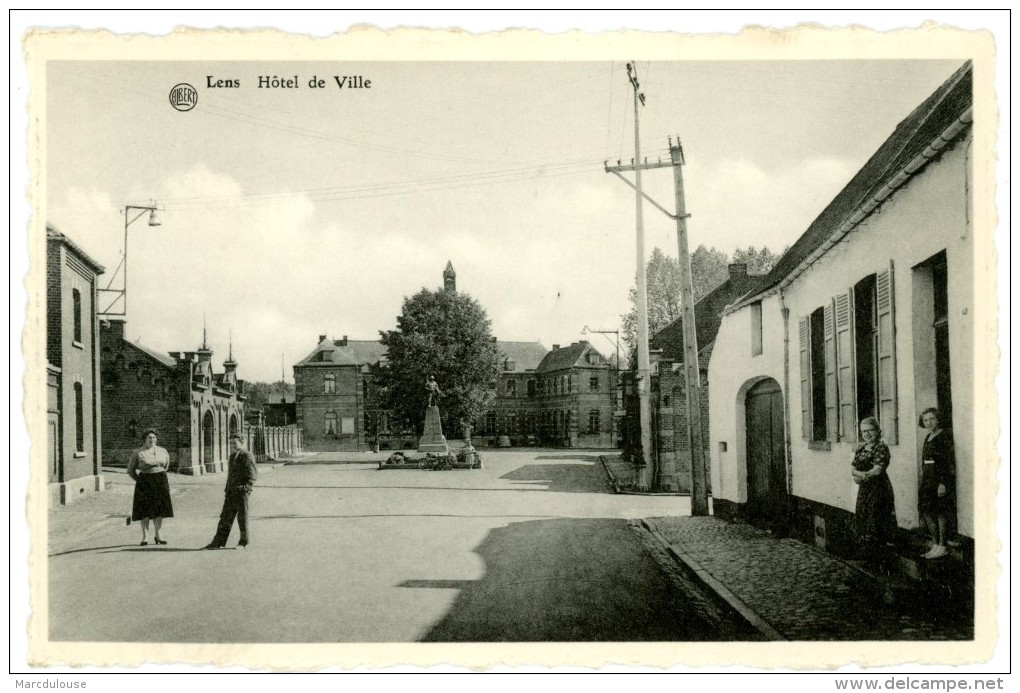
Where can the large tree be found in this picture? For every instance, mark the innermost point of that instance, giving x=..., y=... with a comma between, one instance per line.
x=759, y=261
x=709, y=269
x=446, y=334
x=259, y=394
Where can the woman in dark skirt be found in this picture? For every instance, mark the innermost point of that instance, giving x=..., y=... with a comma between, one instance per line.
x=936, y=501
x=875, y=513
x=148, y=466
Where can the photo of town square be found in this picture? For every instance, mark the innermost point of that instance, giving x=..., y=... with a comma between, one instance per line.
x=579, y=351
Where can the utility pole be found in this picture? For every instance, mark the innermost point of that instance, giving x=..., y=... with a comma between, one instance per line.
x=645, y=472
x=692, y=372
x=699, y=468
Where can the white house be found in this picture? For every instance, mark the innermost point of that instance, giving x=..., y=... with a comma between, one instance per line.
x=869, y=313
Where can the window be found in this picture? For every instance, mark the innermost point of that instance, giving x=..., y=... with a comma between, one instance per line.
x=593, y=383
x=329, y=384
x=756, y=345
x=818, y=373
x=79, y=418
x=593, y=421
x=866, y=346
x=384, y=422
x=511, y=388
x=531, y=388
x=490, y=422
x=76, y=308
x=848, y=362
x=510, y=365
x=330, y=423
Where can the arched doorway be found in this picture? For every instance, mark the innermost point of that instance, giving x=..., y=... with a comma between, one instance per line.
x=208, y=440
x=233, y=426
x=767, y=494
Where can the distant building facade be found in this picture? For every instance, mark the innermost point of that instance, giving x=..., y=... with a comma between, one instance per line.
x=73, y=397
x=193, y=409
x=337, y=402
x=564, y=397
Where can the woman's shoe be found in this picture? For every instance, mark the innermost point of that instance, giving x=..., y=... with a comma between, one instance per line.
x=937, y=552
x=144, y=543
x=128, y=521
x=242, y=544
x=161, y=542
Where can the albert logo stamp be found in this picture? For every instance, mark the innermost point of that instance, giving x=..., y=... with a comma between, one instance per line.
x=183, y=96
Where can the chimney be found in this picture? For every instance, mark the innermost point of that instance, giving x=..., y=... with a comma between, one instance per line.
x=555, y=347
x=738, y=270
x=114, y=328
x=343, y=342
x=322, y=338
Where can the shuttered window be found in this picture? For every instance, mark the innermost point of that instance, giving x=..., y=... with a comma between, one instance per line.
x=805, y=379
x=845, y=391
x=886, y=356
x=831, y=405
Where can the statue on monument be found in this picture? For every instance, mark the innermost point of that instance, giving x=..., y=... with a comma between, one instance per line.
x=432, y=387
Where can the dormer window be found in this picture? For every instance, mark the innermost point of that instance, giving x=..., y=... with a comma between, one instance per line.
x=510, y=365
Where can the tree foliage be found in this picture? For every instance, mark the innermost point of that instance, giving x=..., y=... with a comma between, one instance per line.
x=709, y=269
x=259, y=394
x=446, y=334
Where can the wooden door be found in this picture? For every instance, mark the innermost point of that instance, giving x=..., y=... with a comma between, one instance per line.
x=767, y=496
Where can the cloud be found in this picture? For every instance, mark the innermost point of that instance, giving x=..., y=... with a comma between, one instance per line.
x=737, y=203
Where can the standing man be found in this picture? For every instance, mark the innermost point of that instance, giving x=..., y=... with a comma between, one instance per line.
x=241, y=476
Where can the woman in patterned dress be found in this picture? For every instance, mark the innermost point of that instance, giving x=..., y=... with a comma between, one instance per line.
x=875, y=514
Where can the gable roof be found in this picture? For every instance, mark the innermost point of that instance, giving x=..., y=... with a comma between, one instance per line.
x=911, y=140
x=165, y=359
x=355, y=352
x=52, y=234
x=707, y=314
x=526, y=356
x=568, y=357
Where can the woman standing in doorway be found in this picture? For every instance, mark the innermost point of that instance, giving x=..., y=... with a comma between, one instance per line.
x=938, y=475
x=875, y=513
x=148, y=468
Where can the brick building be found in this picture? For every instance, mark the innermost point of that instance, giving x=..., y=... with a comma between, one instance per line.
x=576, y=394
x=512, y=413
x=336, y=399
x=73, y=411
x=563, y=397
x=669, y=392
x=193, y=408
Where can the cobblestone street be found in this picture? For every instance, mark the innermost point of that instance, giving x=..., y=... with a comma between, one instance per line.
x=799, y=591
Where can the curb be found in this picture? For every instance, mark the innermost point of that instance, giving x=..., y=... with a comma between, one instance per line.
x=708, y=581
x=617, y=489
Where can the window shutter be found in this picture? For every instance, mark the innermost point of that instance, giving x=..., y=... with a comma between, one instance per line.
x=845, y=385
x=887, y=409
x=805, y=379
x=831, y=403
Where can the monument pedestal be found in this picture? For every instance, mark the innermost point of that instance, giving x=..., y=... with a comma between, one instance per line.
x=433, y=440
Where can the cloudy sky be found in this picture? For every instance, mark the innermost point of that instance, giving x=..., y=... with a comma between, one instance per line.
x=289, y=213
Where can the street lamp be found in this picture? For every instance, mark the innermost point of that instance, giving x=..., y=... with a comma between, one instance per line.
x=121, y=293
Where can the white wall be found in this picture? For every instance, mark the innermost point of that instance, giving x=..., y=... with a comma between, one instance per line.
x=926, y=216
x=732, y=371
